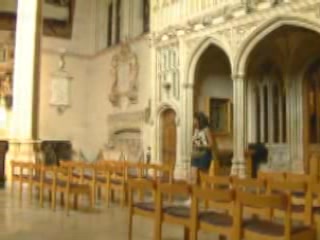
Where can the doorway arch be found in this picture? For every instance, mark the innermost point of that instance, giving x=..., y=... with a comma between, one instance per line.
x=168, y=137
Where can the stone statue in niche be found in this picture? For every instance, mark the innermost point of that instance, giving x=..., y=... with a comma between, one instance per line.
x=124, y=72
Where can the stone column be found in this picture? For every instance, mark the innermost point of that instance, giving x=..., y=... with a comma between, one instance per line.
x=183, y=170
x=23, y=130
x=238, y=161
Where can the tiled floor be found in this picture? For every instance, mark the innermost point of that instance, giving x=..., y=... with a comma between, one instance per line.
x=27, y=221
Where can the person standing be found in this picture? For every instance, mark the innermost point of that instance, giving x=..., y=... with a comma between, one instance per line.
x=201, y=146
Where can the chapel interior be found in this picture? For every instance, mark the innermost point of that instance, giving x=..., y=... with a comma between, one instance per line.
x=97, y=103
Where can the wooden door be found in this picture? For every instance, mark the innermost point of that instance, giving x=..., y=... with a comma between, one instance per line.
x=312, y=119
x=169, y=137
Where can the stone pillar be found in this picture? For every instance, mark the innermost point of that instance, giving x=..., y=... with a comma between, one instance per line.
x=23, y=130
x=186, y=131
x=238, y=161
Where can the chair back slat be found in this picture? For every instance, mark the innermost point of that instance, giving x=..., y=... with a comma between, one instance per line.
x=174, y=189
x=141, y=184
x=288, y=186
x=262, y=201
x=249, y=184
x=214, y=181
x=216, y=195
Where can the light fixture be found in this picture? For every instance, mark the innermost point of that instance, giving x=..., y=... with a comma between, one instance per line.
x=60, y=86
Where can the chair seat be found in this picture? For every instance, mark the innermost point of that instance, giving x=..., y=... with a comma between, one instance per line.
x=36, y=178
x=23, y=176
x=88, y=176
x=178, y=211
x=73, y=186
x=270, y=228
x=316, y=210
x=101, y=179
x=76, y=175
x=296, y=208
x=48, y=181
x=116, y=182
x=218, y=219
x=163, y=179
x=146, y=206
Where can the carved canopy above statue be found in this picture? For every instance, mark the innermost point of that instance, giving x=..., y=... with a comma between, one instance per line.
x=124, y=73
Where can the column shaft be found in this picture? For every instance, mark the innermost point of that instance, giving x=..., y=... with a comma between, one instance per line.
x=238, y=162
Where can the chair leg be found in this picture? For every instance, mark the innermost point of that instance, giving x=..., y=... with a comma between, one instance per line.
x=75, y=201
x=222, y=237
x=107, y=196
x=91, y=200
x=123, y=198
x=30, y=191
x=62, y=199
x=130, y=224
x=67, y=202
x=53, y=200
x=41, y=196
x=93, y=195
x=99, y=192
x=158, y=231
x=186, y=233
x=193, y=234
x=20, y=190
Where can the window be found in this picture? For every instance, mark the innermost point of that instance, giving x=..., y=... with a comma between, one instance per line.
x=110, y=24
x=146, y=16
x=270, y=106
x=118, y=21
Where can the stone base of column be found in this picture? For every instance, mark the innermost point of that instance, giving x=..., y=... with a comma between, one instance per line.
x=21, y=150
x=234, y=168
x=238, y=168
x=242, y=169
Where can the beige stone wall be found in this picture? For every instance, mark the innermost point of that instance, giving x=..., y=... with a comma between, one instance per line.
x=99, y=106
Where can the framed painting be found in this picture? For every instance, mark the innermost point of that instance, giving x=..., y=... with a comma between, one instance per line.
x=57, y=17
x=219, y=111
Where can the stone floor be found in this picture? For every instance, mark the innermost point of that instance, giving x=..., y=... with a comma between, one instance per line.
x=27, y=221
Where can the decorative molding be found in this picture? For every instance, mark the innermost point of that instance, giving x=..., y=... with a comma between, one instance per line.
x=124, y=65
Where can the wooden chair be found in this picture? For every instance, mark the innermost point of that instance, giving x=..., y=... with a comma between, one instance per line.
x=214, y=182
x=36, y=180
x=21, y=172
x=117, y=183
x=141, y=208
x=299, y=212
x=47, y=183
x=169, y=213
x=220, y=222
x=65, y=184
x=262, y=226
x=101, y=181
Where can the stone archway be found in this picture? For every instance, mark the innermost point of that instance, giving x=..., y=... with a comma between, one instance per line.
x=209, y=83
x=275, y=93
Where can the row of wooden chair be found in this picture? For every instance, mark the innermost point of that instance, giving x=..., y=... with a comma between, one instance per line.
x=234, y=205
x=75, y=178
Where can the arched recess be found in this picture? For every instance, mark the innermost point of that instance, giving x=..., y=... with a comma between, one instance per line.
x=208, y=79
x=278, y=108
x=263, y=30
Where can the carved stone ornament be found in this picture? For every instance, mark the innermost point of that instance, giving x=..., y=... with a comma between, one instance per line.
x=124, y=72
